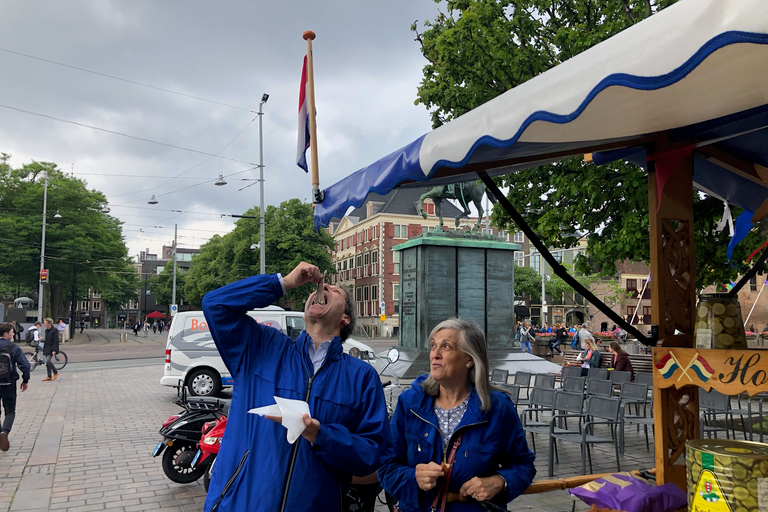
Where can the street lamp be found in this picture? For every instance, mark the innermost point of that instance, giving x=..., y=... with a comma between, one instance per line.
x=262, y=263
x=42, y=254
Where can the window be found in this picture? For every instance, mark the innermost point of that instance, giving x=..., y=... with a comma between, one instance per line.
x=359, y=294
x=359, y=260
x=396, y=297
x=366, y=258
x=753, y=283
x=374, y=257
x=519, y=237
x=632, y=288
x=96, y=305
x=646, y=314
x=630, y=314
x=647, y=292
x=366, y=293
x=520, y=258
x=374, y=292
x=535, y=263
x=558, y=256
x=84, y=306
x=396, y=261
x=96, y=295
x=365, y=236
x=401, y=231
x=344, y=265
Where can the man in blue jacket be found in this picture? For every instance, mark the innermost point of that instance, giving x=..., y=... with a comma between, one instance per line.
x=11, y=357
x=347, y=433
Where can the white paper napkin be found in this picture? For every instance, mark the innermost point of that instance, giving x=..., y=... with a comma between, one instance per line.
x=292, y=412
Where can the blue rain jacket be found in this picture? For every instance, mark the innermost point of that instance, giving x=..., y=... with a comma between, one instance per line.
x=346, y=398
x=493, y=442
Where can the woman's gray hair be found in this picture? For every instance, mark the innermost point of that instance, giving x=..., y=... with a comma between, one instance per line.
x=471, y=342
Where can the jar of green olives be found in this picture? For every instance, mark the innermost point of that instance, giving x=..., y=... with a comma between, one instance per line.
x=719, y=323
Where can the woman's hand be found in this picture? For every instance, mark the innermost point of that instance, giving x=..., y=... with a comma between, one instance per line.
x=427, y=475
x=482, y=489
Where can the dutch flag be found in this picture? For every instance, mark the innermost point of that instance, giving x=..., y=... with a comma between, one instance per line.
x=303, y=145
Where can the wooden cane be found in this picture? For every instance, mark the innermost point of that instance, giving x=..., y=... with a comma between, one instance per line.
x=316, y=196
x=574, y=481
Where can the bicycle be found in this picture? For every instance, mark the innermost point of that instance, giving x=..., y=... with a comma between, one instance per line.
x=59, y=360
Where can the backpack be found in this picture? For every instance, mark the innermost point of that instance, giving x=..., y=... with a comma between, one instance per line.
x=6, y=366
x=575, y=343
x=29, y=337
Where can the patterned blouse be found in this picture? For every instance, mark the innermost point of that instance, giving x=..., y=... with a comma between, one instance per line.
x=449, y=419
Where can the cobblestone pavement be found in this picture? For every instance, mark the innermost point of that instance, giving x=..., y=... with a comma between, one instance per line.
x=83, y=443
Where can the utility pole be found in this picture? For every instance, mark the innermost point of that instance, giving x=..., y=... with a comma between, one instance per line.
x=42, y=255
x=173, y=293
x=262, y=263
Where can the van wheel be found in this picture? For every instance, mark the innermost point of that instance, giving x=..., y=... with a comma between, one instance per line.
x=204, y=383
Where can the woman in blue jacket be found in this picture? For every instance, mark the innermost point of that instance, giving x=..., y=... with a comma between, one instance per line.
x=457, y=443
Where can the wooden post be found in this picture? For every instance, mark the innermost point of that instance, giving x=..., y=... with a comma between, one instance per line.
x=673, y=296
x=316, y=195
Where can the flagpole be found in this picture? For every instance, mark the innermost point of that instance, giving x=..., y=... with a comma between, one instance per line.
x=317, y=196
x=755, y=303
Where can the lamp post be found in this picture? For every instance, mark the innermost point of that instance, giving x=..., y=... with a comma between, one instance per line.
x=42, y=254
x=262, y=263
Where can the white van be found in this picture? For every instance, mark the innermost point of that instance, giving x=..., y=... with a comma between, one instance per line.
x=192, y=360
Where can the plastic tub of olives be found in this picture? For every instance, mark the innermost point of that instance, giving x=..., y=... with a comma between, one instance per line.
x=719, y=323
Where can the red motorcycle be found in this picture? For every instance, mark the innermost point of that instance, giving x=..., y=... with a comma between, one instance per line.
x=208, y=448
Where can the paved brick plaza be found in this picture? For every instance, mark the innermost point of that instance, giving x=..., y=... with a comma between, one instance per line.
x=83, y=443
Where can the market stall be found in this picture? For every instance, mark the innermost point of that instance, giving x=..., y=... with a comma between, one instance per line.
x=682, y=93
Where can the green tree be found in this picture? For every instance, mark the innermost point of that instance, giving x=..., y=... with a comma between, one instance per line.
x=479, y=49
x=81, y=235
x=527, y=282
x=161, y=285
x=290, y=238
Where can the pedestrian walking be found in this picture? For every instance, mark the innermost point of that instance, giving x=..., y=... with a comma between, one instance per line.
x=146, y=329
x=61, y=327
x=526, y=338
x=82, y=326
x=50, y=348
x=17, y=330
x=560, y=337
x=11, y=360
x=136, y=329
x=154, y=327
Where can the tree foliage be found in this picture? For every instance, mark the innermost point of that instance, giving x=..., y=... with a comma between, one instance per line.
x=290, y=238
x=478, y=49
x=527, y=282
x=161, y=285
x=82, y=238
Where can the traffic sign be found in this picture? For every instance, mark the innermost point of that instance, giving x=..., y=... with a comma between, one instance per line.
x=44, y=275
x=174, y=309
x=382, y=317
x=383, y=307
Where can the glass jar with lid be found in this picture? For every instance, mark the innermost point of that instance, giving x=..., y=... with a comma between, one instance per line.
x=719, y=323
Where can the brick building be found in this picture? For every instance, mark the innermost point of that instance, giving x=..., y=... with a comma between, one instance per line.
x=363, y=256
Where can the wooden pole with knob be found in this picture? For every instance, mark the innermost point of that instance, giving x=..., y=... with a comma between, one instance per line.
x=317, y=195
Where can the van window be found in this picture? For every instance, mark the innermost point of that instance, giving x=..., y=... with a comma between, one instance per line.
x=294, y=325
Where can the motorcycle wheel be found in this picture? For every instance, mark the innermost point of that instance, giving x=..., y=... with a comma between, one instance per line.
x=177, y=460
x=207, y=475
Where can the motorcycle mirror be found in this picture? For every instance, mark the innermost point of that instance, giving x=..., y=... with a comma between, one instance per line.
x=393, y=355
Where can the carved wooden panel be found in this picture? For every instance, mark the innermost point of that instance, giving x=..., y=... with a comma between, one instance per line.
x=683, y=420
x=677, y=278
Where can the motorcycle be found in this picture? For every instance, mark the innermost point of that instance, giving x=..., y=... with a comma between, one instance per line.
x=181, y=437
x=209, y=445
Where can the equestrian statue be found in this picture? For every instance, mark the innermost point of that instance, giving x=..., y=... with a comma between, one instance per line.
x=466, y=193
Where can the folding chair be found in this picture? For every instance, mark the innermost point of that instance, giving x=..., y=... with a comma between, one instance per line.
x=569, y=371
x=631, y=394
x=542, y=400
x=599, y=387
x=619, y=377
x=574, y=385
x=597, y=373
x=523, y=379
x=499, y=376
x=513, y=390
x=642, y=416
x=544, y=380
x=601, y=412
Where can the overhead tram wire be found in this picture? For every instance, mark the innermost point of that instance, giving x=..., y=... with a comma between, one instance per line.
x=125, y=80
x=143, y=139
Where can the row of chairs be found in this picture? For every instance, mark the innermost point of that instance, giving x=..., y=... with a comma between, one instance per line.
x=550, y=410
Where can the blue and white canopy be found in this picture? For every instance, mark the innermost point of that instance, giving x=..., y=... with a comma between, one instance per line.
x=696, y=71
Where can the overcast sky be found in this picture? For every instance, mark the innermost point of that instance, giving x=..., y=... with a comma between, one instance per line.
x=367, y=70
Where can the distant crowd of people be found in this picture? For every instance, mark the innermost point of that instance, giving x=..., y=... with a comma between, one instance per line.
x=145, y=326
